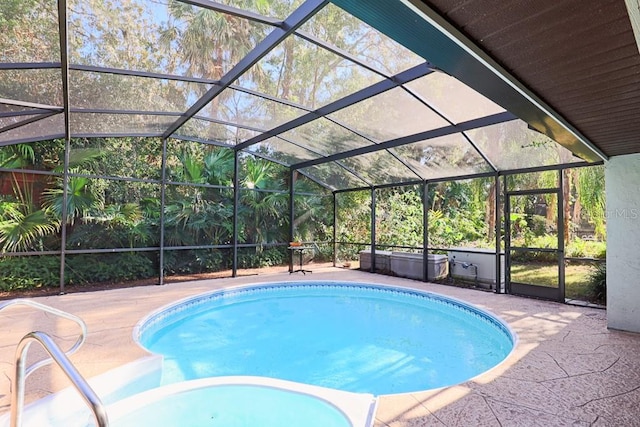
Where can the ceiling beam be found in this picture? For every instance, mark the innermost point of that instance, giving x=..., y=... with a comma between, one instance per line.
x=33, y=105
x=234, y=11
x=64, y=63
x=29, y=65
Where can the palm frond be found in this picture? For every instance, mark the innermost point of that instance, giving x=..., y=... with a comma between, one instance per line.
x=21, y=232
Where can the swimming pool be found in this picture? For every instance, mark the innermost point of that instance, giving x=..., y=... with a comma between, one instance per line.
x=356, y=337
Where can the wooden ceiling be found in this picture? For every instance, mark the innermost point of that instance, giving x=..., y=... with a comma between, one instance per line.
x=580, y=57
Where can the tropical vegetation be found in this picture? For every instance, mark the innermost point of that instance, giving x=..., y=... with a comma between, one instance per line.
x=113, y=201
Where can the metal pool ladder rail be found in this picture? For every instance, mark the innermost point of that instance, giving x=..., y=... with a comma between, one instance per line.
x=56, y=355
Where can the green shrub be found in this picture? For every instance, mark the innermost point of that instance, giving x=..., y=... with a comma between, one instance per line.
x=324, y=253
x=350, y=252
x=578, y=248
x=29, y=272
x=266, y=258
x=546, y=241
x=598, y=283
x=538, y=225
x=197, y=261
x=600, y=251
x=115, y=267
x=544, y=257
x=454, y=230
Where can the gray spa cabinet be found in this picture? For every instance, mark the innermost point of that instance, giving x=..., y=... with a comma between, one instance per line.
x=405, y=264
x=410, y=265
x=383, y=262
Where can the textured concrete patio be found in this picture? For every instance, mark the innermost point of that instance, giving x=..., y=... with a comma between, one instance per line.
x=567, y=369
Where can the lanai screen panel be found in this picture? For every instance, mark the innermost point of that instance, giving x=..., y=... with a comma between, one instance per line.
x=360, y=40
x=336, y=176
x=273, y=9
x=117, y=158
x=30, y=50
x=454, y=100
x=390, y=115
x=98, y=124
x=39, y=86
x=47, y=128
x=8, y=110
x=201, y=128
x=40, y=21
x=446, y=156
x=335, y=90
x=513, y=145
x=302, y=72
x=16, y=120
x=190, y=46
x=115, y=92
x=286, y=152
x=326, y=137
x=381, y=167
x=160, y=36
x=247, y=109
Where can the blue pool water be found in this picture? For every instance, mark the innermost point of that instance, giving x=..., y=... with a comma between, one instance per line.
x=353, y=337
x=232, y=405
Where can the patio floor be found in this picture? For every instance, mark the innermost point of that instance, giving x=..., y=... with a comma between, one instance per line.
x=567, y=369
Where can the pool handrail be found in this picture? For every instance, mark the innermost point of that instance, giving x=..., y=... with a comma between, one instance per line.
x=56, y=355
x=56, y=312
x=82, y=386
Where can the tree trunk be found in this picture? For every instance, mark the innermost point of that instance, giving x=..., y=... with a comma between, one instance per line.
x=490, y=213
x=566, y=202
x=287, y=70
x=577, y=206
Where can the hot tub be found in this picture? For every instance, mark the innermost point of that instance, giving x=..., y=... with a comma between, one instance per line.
x=243, y=402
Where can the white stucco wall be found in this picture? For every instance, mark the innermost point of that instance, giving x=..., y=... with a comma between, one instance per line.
x=622, y=176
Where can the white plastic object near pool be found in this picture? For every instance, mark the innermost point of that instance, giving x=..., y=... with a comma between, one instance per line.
x=243, y=402
x=134, y=397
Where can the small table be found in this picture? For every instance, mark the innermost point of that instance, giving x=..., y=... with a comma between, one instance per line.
x=299, y=250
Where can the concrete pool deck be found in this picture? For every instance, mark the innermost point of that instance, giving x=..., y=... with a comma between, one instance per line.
x=567, y=369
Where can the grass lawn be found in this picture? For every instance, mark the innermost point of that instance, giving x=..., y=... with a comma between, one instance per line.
x=576, y=277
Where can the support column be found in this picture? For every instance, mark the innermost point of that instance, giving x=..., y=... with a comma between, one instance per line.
x=163, y=195
x=64, y=69
x=373, y=230
x=622, y=181
x=292, y=213
x=236, y=201
x=506, y=209
x=497, y=223
x=561, y=231
x=65, y=212
x=425, y=231
x=335, y=230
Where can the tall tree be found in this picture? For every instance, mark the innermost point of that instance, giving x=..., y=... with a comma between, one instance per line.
x=592, y=197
